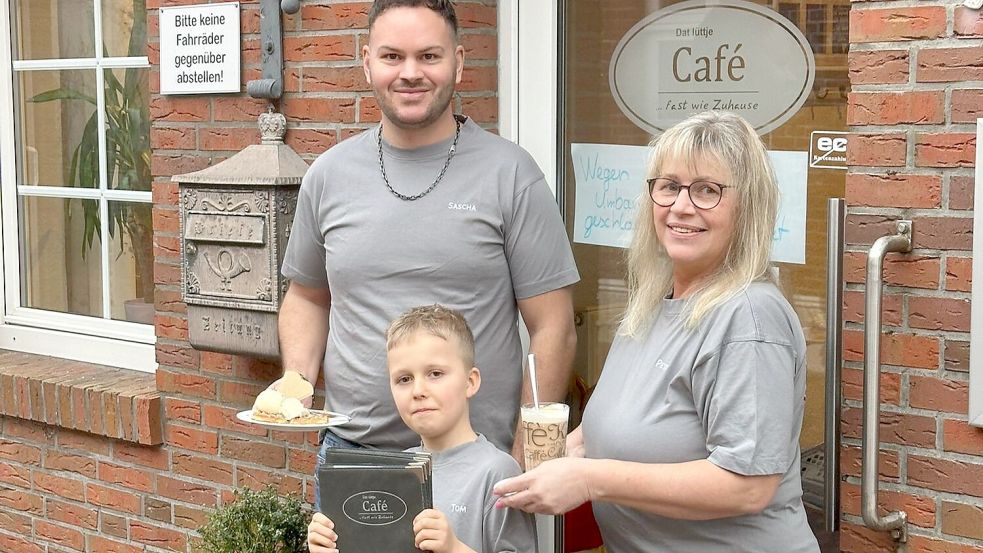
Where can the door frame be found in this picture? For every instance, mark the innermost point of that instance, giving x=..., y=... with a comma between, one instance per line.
x=528, y=103
x=530, y=107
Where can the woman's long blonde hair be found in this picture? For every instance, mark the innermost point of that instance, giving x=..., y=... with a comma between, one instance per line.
x=729, y=142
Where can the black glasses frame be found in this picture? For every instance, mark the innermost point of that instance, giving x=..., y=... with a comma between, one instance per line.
x=651, y=182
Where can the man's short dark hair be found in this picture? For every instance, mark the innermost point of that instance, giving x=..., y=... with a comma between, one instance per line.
x=444, y=8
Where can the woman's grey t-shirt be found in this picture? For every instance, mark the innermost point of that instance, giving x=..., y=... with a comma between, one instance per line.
x=463, y=478
x=731, y=391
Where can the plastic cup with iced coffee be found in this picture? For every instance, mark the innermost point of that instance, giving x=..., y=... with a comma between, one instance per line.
x=544, y=432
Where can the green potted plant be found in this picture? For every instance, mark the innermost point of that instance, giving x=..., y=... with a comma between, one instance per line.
x=127, y=110
x=257, y=522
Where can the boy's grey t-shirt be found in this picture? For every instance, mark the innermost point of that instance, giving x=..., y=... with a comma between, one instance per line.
x=490, y=232
x=463, y=478
x=731, y=391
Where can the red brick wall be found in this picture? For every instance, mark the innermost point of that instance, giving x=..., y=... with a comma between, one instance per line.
x=65, y=490
x=912, y=158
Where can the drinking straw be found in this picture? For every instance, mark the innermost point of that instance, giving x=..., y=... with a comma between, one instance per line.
x=532, y=380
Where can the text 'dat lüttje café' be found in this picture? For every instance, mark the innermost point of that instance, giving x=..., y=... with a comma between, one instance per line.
x=694, y=56
x=199, y=49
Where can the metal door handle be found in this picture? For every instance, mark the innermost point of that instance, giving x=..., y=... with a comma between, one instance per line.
x=894, y=521
x=834, y=360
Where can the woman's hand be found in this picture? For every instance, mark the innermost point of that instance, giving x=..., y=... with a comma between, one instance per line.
x=552, y=488
x=433, y=533
x=320, y=535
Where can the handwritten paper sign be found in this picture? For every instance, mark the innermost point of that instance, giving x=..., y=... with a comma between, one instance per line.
x=199, y=49
x=789, y=241
x=610, y=179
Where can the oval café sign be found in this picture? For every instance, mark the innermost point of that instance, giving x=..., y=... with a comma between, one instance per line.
x=720, y=55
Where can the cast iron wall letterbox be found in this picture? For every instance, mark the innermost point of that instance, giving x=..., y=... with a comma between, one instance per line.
x=235, y=221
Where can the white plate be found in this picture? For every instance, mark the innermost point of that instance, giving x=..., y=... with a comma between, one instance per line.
x=337, y=419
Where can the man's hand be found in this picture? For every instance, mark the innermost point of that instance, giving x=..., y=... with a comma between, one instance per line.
x=433, y=533
x=320, y=535
x=306, y=401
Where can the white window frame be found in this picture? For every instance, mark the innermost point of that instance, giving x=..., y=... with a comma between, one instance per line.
x=77, y=337
x=975, y=414
x=527, y=95
x=527, y=109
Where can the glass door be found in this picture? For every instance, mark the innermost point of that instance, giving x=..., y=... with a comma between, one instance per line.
x=590, y=33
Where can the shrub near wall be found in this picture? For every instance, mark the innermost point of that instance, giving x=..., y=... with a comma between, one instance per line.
x=915, y=74
x=67, y=490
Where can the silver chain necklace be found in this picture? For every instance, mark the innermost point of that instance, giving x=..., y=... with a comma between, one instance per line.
x=450, y=154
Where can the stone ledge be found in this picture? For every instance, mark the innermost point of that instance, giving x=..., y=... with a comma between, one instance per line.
x=107, y=401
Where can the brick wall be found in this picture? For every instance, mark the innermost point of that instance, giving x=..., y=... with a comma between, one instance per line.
x=911, y=157
x=66, y=490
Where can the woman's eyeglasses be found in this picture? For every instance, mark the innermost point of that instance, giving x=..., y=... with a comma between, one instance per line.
x=703, y=194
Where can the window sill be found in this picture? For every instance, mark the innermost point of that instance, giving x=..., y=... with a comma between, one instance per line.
x=116, y=403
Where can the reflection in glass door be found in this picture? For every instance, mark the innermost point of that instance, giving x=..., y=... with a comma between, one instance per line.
x=590, y=32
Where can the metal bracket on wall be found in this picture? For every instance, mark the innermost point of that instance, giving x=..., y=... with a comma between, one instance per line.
x=271, y=48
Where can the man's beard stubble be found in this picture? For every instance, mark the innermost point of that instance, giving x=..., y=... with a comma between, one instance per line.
x=436, y=109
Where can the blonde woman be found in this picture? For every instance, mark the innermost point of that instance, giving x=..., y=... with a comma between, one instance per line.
x=690, y=439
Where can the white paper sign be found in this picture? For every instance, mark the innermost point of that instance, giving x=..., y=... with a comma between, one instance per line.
x=610, y=179
x=199, y=49
x=789, y=240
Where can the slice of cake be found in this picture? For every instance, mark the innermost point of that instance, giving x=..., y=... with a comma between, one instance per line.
x=284, y=406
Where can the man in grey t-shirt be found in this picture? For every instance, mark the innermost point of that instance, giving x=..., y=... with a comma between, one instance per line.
x=425, y=208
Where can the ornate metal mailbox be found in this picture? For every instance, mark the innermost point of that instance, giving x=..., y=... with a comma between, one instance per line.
x=235, y=221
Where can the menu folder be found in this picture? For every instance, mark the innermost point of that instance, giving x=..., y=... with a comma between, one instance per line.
x=372, y=496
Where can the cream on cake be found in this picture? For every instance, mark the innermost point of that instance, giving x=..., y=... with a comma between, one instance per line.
x=284, y=405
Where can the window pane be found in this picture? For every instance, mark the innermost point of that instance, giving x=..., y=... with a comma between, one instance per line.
x=128, y=129
x=57, y=131
x=131, y=265
x=124, y=27
x=815, y=30
x=60, y=255
x=841, y=28
x=45, y=29
x=790, y=11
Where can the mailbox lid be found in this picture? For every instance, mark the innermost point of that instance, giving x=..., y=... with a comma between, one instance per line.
x=255, y=165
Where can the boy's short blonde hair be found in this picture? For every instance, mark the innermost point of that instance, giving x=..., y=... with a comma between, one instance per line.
x=435, y=320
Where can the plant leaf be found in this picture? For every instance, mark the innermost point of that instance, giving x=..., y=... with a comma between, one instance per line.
x=61, y=94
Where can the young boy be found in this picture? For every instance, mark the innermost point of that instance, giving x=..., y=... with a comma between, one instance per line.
x=432, y=377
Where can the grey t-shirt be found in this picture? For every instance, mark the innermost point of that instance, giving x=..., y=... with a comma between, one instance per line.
x=489, y=233
x=731, y=391
x=463, y=478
